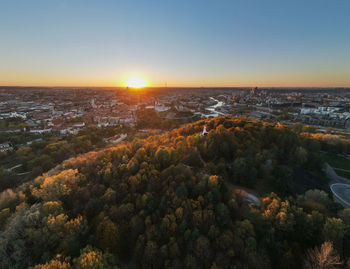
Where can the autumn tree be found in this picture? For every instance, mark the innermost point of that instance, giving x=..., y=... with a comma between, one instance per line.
x=324, y=257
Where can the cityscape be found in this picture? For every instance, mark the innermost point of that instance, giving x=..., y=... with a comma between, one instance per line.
x=63, y=111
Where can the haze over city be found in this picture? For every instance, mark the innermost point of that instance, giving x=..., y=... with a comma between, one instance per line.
x=175, y=43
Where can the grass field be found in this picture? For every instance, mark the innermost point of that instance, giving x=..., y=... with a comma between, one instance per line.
x=343, y=173
x=337, y=161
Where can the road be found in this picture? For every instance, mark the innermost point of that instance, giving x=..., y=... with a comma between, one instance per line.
x=340, y=187
x=341, y=193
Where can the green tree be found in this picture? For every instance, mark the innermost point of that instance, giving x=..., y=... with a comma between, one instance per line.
x=334, y=230
x=222, y=214
x=162, y=157
x=107, y=235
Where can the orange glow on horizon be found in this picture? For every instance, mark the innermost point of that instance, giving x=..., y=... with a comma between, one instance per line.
x=136, y=82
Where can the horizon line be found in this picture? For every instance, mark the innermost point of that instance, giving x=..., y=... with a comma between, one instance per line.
x=164, y=87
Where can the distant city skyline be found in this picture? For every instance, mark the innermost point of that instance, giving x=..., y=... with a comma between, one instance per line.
x=175, y=43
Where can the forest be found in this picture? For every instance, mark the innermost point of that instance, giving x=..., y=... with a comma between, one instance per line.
x=46, y=151
x=175, y=201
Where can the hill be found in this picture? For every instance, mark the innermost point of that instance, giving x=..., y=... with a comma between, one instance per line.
x=174, y=201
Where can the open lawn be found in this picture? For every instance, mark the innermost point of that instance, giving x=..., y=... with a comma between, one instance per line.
x=336, y=161
x=339, y=162
x=343, y=173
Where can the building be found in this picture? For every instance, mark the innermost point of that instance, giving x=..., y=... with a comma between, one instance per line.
x=115, y=139
x=5, y=147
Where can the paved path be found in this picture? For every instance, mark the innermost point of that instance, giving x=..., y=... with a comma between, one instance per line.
x=341, y=193
x=340, y=187
x=249, y=196
x=14, y=167
x=341, y=169
x=24, y=173
x=334, y=176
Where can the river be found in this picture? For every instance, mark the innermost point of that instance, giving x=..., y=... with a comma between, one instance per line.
x=213, y=108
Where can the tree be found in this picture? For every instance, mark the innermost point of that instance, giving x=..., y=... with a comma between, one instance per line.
x=162, y=157
x=14, y=252
x=4, y=215
x=345, y=216
x=282, y=181
x=297, y=127
x=334, y=230
x=108, y=235
x=52, y=208
x=225, y=240
x=8, y=179
x=151, y=254
x=213, y=182
x=57, y=263
x=202, y=249
x=300, y=155
x=318, y=196
x=244, y=229
x=193, y=159
x=222, y=214
x=92, y=258
x=324, y=257
x=54, y=187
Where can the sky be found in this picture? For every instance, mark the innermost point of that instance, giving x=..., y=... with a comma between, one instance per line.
x=175, y=42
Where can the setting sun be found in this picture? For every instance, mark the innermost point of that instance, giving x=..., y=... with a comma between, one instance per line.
x=136, y=82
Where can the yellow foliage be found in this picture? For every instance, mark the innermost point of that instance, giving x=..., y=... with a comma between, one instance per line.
x=53, y=187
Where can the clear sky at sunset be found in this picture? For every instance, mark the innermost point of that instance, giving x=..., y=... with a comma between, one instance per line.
x=178, y=42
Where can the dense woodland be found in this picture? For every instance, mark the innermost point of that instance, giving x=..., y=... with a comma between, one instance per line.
x=149, y=118
x=47, y=151
x=171, y=201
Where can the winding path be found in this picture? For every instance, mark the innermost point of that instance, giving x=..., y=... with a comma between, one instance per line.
x=341, y=169
x=341, y=193
x=340, y=187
